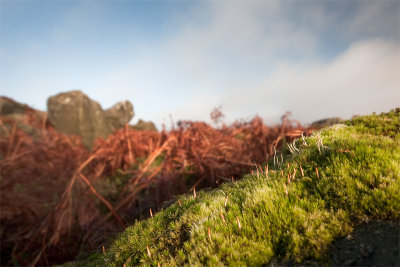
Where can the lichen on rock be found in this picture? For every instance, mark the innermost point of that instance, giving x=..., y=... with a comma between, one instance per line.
x=74, y=113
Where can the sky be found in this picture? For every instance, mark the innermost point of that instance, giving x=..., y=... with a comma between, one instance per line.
x=180, y=59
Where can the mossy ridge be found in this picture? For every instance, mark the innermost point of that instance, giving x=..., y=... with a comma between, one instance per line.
x=358, y=179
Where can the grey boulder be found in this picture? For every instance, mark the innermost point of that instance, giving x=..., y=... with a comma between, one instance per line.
x=74, y=113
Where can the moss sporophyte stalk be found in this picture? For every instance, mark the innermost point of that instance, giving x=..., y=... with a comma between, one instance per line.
x=315, y=193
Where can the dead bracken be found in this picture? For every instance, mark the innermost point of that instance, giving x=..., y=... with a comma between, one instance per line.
x=57, y=194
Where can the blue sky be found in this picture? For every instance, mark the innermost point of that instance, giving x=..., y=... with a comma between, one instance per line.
x=183, y=58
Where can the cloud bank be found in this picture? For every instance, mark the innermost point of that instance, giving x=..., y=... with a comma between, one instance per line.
x=254, y=60
x=314, y=58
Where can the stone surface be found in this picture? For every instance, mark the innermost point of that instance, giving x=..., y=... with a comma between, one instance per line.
x=119, y=114
x=142, y=125
x=23, y=115
x=75, y=113
x=9, y=106
x=371, y=244
x=375, y=243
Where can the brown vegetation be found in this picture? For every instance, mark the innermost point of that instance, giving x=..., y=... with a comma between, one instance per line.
x=58, y=199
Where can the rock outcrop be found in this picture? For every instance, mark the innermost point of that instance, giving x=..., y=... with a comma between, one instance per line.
x=327, y=122
x=119, y=114
x=142, y=125
x=23, y=115
x=9, y=107
x=75, y=113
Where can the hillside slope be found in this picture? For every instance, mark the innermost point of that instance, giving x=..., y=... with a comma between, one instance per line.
x=315, y=191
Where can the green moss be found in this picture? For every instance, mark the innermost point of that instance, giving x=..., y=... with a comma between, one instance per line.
x=358, y=179
x=385, y=124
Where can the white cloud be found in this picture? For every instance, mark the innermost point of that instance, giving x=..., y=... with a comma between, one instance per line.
x=265, y=82
x=377, y=17
x=363, y=79
x=257, y=57
x=192, y=71
x=239, y=32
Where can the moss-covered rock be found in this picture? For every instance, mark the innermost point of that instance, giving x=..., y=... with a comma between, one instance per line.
x=292, y=212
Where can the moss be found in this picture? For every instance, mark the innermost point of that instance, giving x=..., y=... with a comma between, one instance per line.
x=385, y=124
x=351, y=174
